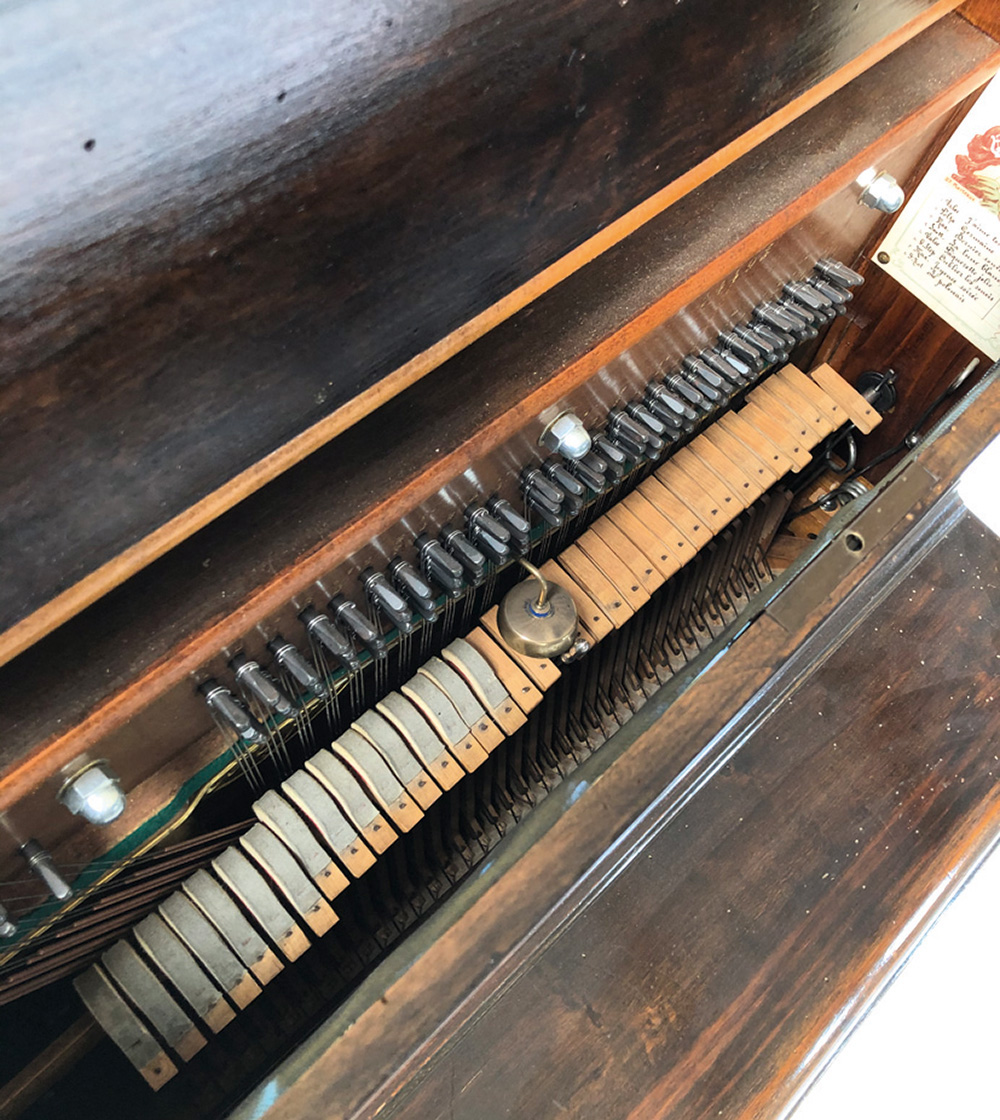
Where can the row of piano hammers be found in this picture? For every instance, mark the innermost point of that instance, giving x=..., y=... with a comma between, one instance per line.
x=215, y=942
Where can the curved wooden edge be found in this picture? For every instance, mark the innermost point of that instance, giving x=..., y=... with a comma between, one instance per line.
x=49, y=757
x=109, y=575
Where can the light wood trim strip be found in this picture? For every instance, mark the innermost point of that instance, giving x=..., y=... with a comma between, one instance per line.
x=594, y=623
x=614, y=568
x=809, y=391
x=644, y=536
x=543, y=672
x=863, y=415
x=646, y=572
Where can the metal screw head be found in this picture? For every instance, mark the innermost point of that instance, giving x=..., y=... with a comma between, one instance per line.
x=566, y=436
x=880, y=191
x=94, y=793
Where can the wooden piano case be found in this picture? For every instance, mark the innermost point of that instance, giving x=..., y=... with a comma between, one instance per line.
x=229, y=394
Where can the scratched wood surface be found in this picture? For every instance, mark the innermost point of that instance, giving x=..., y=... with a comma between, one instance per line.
x=144, y=639
x=702, y=979
x=224, y=221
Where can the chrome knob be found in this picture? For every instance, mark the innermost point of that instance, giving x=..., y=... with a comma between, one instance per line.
x=566, y=436
x=880, y=191
x=94, y=793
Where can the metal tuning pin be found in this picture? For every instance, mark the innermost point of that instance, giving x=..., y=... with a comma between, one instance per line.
x=465, y=552
x=297, y=666
x=590, y=470
x=8, y=927
x=669, y=407
x=695, y=368
x=352, y=618
x=802, y=293
x=322, y=631
x=623, y=434
x=533, y=479
x=809, y=319
x=838, y=273
x=438, y=565
x=571, y=487
x=40, y=863
x=543, y=496
x=615, y=460
x=783, y=318
x=711, y=393
x=386, y=600
x=752, y=335
x=779, y=341
x=651, y=407
x=537, y=618
x=679, y=385
x=487, y=534
x=261, y=685
x=737, y=373
x=409, y=582
x=774, y=316
x=621, y=422
x=556, y=473
x=749, y=355
x=839, y=296
x=642, y=416
x=518, y=526
x=231, y=712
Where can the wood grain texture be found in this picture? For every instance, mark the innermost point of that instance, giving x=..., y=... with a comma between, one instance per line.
x=984, y=14
x=145, y=638
x=673, y=998
x=225, y=224
x=891, y=329
x=706, y=976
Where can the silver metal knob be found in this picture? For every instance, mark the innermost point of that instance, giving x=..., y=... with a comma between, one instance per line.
x=880, y=191
x=94, y=793
x=8, y=927
x=566, y=436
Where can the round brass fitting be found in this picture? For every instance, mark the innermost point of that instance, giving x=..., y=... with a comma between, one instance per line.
x=538, y=618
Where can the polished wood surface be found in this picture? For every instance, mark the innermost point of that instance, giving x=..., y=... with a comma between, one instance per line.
x=224, y=224
x=679, y=1004
x=707, y=976
x=892, y=329
x=150, y=634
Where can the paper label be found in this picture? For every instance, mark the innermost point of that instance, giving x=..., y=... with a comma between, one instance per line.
x=945, y=245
